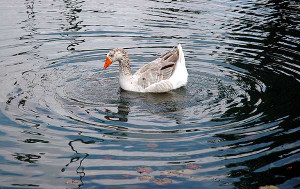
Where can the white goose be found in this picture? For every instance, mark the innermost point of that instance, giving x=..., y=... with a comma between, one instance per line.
x=165, y=73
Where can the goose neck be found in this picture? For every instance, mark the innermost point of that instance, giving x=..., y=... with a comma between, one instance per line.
x=124, y=66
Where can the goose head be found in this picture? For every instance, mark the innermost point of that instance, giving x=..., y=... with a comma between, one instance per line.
x=117, y=54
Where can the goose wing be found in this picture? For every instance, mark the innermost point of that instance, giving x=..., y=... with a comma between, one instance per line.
x=158, y=70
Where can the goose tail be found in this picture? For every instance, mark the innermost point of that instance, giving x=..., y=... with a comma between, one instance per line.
x=181, y=59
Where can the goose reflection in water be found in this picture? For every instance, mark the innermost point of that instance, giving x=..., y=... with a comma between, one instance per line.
x=161, y=104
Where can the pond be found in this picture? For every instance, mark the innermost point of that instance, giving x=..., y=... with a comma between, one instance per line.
x=65, y=122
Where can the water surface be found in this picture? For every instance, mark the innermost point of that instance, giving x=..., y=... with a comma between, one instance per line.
x=65, y=123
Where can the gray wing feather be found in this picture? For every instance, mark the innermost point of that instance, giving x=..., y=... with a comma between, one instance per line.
x=158, y=70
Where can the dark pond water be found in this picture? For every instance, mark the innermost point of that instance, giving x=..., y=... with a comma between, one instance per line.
x=65, y=123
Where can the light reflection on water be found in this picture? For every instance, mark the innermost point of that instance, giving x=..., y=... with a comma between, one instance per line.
x=66, y=123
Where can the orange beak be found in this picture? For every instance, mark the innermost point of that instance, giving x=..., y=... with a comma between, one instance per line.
x=107, y=62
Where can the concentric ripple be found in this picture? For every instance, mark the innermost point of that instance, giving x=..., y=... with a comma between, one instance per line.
x=207, y=97
x=66, y=123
